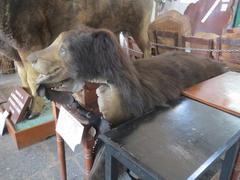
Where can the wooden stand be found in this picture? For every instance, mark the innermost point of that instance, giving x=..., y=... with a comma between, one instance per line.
x=88, y=142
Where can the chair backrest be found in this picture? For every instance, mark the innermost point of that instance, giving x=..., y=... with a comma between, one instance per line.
x=224, y=43
x=200, y=43
x=167, y=27
x=210, y=16
x=165, y=38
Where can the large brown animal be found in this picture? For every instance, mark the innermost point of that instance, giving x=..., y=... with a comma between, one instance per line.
x=30, y=25
x=130, y=88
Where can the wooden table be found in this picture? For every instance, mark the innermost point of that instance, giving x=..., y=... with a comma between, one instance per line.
x=221, y=92
x=181, y=142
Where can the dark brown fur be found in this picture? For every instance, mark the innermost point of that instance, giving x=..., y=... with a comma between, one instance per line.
x=143, y=84
x=31, y=25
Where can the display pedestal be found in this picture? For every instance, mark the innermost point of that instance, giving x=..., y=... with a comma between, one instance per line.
x=28, y=132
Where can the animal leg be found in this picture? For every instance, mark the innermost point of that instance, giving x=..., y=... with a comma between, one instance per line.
x=28, y=77
x=140, y=32
x=38, y=102
x=109, y=103
x=142, y=40
x=22, y=73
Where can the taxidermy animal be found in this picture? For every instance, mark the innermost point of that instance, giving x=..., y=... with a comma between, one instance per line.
x=30, y=25
x=128, y=88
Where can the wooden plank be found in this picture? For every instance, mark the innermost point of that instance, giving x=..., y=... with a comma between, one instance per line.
x=197, y=42
x=221, y=92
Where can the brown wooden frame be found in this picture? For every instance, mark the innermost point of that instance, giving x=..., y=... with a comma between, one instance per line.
x=165, y=34
x=200, y=41
x=226, y=41
x=87, y=141
x=32, y=135
x=29, y=136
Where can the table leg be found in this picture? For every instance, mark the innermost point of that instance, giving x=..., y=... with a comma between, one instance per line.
x=229, y=162
x=236, y=172
x=60, y=147
x=110, y=165
x=88, y=142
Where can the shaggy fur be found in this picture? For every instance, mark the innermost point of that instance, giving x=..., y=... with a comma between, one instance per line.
x=144, y=84
x=130, y=87
x=30, y=25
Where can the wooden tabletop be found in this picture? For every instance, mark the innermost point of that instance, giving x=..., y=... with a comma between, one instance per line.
x=175, y=142
x=221, y=92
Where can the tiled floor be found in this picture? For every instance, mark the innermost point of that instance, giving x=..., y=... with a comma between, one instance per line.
x=37, y=162
x=6, y=79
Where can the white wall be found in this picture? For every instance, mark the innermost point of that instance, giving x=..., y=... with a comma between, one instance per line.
x=179, y=5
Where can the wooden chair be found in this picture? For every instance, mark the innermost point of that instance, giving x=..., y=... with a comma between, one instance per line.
x=226, y=43
x=196, y=42
x=231, y=59
x=164, y=38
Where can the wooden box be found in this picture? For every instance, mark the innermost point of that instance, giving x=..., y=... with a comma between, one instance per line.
x=32, y=135
x=37, y=131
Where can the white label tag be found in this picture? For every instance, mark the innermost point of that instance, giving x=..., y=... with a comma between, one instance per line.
x=3, y=118
x=69, y=128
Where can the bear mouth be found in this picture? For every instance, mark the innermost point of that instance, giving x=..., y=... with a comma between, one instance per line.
x=57, y=80
x=49, y=77
x=53, y=79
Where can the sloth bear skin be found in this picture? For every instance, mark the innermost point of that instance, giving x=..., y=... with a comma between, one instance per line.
x=128, y=88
